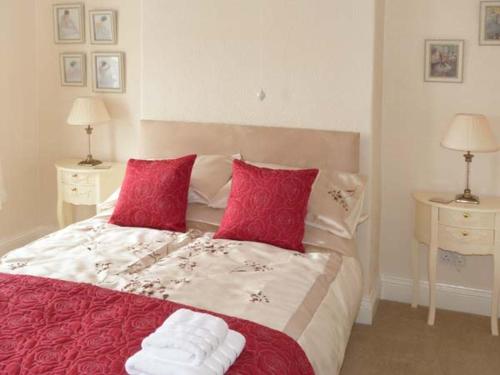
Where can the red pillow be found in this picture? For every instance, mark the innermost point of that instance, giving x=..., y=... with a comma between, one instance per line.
x=267, y=205
x=154, y=194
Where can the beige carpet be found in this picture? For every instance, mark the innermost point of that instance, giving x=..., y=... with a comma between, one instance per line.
x=401, y=342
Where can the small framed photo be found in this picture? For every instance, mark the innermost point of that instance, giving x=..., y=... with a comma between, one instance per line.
x=489, y=32
x=108, y=72
x=73, y=69
x=103, y=26
x=444, y=60
x=69, y=24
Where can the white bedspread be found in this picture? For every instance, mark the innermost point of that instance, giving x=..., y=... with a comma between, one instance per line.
x=312, y=297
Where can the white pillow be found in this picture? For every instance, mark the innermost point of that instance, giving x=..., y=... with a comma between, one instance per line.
x=335, y=204
x=209, y=174
x=208, y=219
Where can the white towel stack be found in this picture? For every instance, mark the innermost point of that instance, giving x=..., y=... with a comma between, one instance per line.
x=188, y=343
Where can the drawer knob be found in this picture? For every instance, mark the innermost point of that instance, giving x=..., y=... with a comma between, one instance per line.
x=465, y=234
x=74, y=189
x=466, y=215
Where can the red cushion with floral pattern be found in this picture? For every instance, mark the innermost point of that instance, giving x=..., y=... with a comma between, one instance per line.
x=267, y=205
x=154, y=194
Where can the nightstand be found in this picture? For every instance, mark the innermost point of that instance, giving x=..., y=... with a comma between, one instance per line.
x=467, y=229
x=84, y=185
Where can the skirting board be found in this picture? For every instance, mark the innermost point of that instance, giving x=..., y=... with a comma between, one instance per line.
x=368, y=306
x=22, y=239
x=448, y=297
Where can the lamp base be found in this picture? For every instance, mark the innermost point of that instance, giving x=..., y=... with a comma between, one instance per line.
x=467, y=198
x=90, y=161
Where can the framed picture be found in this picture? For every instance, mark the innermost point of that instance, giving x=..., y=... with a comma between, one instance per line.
x=489, y=29
x=444, y=60
x=69, y=24
x=73, y=69
x=108, y=72
x=103, y=28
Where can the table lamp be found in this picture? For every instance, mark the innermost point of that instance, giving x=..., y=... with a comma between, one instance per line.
x=88, y=111
x=469, y=133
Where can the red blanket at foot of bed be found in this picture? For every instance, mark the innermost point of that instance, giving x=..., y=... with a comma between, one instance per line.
x=63, y=328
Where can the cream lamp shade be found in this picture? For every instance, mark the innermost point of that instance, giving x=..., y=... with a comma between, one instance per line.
x=470, y=132
x=88, y=111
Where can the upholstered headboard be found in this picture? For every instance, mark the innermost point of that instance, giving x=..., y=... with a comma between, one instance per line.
x=299, y=147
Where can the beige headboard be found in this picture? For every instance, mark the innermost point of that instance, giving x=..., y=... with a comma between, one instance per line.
x=299, y=147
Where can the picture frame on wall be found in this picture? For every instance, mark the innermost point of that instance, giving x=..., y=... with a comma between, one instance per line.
x=489, y=23
x=73, y=69
x=108, y=72
x=444, y=60
x=69, y=23
x=103, y=26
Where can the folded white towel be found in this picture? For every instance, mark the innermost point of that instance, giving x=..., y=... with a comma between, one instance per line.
x=145, y=362
x=187, y=337
x=184, y=317
x=208, y=337
x=184, y=348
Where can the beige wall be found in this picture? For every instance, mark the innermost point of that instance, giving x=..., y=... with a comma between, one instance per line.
x=59, y=140
x=415, y=118
x=206, y=61
x=18, y=123
x=376, y=135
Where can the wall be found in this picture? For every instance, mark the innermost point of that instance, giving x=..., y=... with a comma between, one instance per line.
x=416, y=115
x=376, y=135
x=205, y=61
x=59, y=140
x=18, y=124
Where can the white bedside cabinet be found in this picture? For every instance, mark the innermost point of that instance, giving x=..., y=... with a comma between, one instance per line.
x=467, y=229
x=84, y=185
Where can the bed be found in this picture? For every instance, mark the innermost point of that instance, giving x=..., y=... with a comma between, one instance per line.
x=312, y=298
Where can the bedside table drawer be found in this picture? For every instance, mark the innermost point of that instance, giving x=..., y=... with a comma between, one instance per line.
x=75, y=178
x=467, y=219
x=469, y=241
x=78, y=194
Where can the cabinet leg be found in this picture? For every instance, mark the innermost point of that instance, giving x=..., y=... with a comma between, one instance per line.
x=415, y=266
x=433, y=250
x=60, y=213
x=64, y=214
x=495, y=295
x=432, y=284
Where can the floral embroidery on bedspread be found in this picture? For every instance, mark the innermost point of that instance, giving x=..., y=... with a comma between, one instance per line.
x=17, y=265
x=251, y=266
x=259, y=297
x=208, y=246
x=102, y=267
x=247, y=279
x=95, y=248
x=153, y=287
